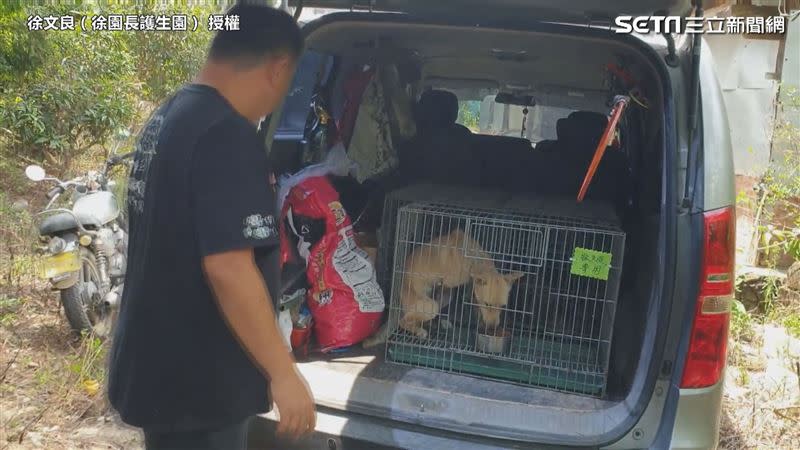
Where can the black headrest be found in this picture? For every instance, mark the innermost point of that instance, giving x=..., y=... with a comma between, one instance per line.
x=436, y=109
x=562, y=129
x=594, y=121
x=582, y=129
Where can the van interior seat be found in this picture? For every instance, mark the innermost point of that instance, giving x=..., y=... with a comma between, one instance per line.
x=437, y=111
x=547, y=145
x=579, y=132
x=550, y=145
x=446, y=152
x=441, y=150
x=507, y=162
x=578, y=135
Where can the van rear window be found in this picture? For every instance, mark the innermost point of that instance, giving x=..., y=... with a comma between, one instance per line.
x=489, y=117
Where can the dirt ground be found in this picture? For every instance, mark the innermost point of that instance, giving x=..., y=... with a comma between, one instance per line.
x=761, y=407
x=51, y=393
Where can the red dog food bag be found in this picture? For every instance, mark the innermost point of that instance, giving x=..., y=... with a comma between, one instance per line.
x=344, y=297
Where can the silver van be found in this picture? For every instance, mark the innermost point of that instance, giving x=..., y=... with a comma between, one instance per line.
x=527, y=67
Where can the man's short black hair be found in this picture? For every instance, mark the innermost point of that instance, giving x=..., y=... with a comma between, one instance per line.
x=263, y=32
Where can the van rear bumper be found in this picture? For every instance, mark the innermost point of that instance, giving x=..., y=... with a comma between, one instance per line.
x=340, y=430
x=696, y=426
x=697, y=419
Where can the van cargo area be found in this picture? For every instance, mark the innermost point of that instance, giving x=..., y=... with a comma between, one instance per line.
x=506, y=124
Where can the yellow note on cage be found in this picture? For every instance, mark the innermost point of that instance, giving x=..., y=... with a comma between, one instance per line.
x=591, y=263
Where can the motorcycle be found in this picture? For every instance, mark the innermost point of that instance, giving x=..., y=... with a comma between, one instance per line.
x=85, y=244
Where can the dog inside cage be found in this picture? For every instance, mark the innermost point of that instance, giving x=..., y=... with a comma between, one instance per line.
x=494, y=294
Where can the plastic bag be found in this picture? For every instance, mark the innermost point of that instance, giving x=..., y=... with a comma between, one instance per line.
x=344, y=297
x=336, y=162
x=285, y=326
x=289, y=307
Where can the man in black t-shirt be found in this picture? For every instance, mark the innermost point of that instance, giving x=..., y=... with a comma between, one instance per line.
x=197, y=350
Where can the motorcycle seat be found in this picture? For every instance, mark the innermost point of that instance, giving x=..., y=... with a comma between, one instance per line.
x=59, y=222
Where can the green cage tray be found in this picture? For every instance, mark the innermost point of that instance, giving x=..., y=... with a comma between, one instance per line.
x=530, y=360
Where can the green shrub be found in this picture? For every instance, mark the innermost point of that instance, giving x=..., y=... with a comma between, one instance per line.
x=782, y=187
x=468, y=114
x=164, y=61
x=65, y=91
x=70, y=92
x=792, y=323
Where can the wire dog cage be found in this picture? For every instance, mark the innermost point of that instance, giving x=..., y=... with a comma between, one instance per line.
x=551, y=326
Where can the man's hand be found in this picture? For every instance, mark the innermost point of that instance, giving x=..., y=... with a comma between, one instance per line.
x=295, y=405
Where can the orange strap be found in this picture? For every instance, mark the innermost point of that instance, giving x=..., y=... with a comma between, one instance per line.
x=620, y=103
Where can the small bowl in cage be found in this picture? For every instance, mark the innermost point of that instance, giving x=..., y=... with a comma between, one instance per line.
x=494, y=341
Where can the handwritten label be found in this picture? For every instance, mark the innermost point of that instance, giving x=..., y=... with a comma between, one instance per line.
x=590, y=263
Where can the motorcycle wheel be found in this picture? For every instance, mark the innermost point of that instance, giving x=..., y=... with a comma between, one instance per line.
x=82, y=301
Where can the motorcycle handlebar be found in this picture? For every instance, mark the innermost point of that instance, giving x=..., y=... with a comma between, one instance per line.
x=63, y=185
x=55, y=191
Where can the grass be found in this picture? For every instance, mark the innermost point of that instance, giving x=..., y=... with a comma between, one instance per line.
x=771, y=290
x=743, y=376
x=89, y=364
x=741, y=327
x=785, y=311
x=7, y=318
x=792, y=324
x=741, y=331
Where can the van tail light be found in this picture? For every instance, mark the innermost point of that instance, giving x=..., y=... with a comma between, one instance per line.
x=709, y=339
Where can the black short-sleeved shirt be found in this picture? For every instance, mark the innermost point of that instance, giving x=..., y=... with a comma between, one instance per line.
x=199, y=185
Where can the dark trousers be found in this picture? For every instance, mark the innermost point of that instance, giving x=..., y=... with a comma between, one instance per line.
x=229, y=437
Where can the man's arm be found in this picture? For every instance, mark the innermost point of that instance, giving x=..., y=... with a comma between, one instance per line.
x=244, y=302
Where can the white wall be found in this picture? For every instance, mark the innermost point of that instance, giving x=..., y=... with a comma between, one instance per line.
x=746, y=70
